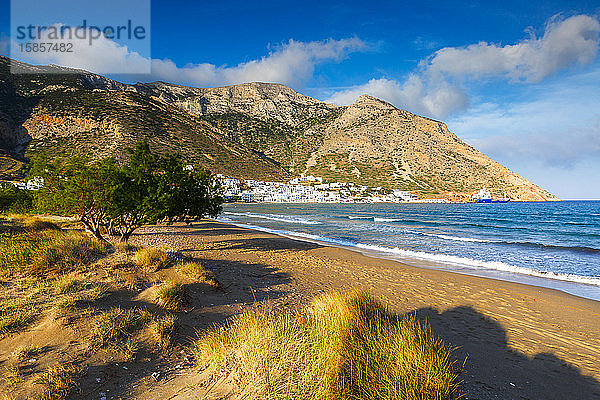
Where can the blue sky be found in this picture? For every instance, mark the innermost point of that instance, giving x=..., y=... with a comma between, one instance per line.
x=519, y=80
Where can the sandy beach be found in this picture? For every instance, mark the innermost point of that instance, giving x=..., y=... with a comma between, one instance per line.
x=516, y=341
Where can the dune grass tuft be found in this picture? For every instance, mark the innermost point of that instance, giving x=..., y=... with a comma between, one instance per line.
x=117, y=324
x=347, y=346
x=48, y=252
x=15, y=321
x=57, y=382
x=171, y=295
x=69, y=284
x=163, y=331
x=152, y=258
x=196, y=271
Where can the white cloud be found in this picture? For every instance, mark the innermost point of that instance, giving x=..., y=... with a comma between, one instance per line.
x=434, y=89
x=555, y=148
x=104, y=56
x=564, y=43
x=412, y=94
x=558, y=125
x=292, y=63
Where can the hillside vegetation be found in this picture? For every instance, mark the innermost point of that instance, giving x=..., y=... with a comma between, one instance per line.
x=254, y=130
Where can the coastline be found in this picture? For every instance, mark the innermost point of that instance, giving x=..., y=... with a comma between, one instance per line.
x=516, y=340
x=526, y=277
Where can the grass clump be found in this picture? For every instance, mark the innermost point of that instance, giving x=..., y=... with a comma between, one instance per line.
x=69, y=284
x=152, y=258
x=58, y=382
x=117, y=324
x=125, y=247
x=196, y=271
x=48, y=252
x=36, y=224
x=15, y=320
x=347, y=346
x=171, y=295
x=163, y=331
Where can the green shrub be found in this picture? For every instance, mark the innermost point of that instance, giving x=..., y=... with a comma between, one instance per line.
x=345, y=347
x=15, y=200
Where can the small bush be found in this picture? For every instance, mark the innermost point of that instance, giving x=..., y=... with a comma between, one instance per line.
x=171, y=296
x=345, y=347
x=152, y=258
x=197, y=272
x=13, y=199
x=163, y=330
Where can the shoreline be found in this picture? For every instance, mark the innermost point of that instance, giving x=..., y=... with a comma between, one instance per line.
x=516, y=340
x=578, y=289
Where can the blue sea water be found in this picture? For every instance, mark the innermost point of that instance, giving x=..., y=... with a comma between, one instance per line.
x=554, y=244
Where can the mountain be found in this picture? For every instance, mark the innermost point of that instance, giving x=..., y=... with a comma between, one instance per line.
x=255, y=130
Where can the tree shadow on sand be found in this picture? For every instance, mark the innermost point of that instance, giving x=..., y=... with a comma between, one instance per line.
x=493, y=370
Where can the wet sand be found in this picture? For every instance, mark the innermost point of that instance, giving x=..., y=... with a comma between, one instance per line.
x=516, y=341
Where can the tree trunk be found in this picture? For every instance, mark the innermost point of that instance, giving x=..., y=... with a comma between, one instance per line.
x=94, y=229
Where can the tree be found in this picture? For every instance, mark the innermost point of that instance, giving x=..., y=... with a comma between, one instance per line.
x=158, y=189
x=121, y=198
x=74, y=186
x=13, y=199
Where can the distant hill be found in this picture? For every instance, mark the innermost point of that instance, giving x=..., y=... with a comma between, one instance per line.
x=255, y=130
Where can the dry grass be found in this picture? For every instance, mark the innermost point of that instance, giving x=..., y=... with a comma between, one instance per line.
x=197, y=272
x=345, y=347
x=128, y=349
x=117, y=324
x=23, y=353
x=69, y=284
x=163, y=331
x=48, y=252
x=152, y=258
x=125, y=247
x=16, y=320
x=36, y=224
x=58, y=381
x=171, y=295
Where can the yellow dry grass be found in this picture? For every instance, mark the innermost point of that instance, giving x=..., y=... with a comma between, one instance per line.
x=346, y=346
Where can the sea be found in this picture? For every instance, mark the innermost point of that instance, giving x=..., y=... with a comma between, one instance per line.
x=548, y=244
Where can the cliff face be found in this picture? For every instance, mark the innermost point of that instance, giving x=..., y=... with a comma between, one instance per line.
x=254, y=130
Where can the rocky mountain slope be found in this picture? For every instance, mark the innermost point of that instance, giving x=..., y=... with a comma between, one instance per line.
x=253, y=130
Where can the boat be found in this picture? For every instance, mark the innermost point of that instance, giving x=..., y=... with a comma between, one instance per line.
x=484, y=196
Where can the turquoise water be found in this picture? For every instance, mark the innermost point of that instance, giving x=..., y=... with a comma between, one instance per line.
x=547, y=244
